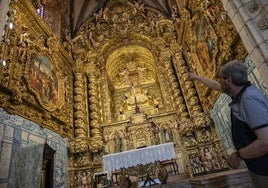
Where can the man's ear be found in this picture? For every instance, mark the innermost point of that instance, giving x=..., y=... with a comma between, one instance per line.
x=229, y=79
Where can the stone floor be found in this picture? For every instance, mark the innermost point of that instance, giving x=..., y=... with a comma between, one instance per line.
x=227, y=179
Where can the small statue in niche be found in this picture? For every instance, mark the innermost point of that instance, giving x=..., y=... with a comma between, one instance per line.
x=211, y=8
x=205, y=134
x=175, y=124
x=118, y=142
x=67, y=40
x=106, y=137
x=210, y=160
x=155, y=130
x=81, y=46
x=196, y=163
x=191, y=138
x=84, y=180
x=174, y=12
x=124, y=75
x=23, y=42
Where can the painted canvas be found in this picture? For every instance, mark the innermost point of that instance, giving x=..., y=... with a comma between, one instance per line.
x=205, y=45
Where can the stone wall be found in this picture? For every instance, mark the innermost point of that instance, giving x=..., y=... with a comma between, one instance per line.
x=250, y=19
x=21, y=152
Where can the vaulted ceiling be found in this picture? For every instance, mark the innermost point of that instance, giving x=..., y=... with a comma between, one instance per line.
x=80, y=10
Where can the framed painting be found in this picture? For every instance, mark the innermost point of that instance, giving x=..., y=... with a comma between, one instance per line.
x=44, y=81
x=205, y=44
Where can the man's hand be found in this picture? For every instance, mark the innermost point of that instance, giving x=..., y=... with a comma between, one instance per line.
x=233, y=160
x=192, y=75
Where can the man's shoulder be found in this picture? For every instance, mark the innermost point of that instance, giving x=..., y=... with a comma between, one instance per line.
x=256, y=94
x=254, y=90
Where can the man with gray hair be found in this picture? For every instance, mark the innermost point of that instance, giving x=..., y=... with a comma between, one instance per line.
x=249, y=117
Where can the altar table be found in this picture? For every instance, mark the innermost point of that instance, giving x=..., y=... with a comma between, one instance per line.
x=150, y=154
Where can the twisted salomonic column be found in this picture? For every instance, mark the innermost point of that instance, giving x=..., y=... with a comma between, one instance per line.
x=161, y=73
x=81, y=129
x=106, y=99
x=94, y=106
x=173, y=84
x=189, y=92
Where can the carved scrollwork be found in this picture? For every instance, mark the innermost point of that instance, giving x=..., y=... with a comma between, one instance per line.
x=96, y=145
x=79, y=146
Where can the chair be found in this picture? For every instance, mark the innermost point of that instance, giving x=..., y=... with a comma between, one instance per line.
x=172, y=164
x=115, y=175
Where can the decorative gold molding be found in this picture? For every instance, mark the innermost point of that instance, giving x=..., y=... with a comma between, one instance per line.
x=31, y=40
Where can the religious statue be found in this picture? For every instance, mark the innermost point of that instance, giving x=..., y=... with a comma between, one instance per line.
x=211, y=8
x=84, y=180
x=118, y=141
x=81, y=46
x=139, y=6
x=23, y=42
x=210, y=160
x=67, y=41
x=99, y=14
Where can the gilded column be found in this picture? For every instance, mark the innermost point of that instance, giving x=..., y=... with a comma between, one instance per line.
x=106, y=97
x=163, y=86
x=173, y=84
x=81, y=129
x=188, y=89
x=94, y=106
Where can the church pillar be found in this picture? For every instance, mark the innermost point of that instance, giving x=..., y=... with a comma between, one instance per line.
x=250, y=20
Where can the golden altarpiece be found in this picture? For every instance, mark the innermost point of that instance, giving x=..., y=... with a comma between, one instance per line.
x=121, y=82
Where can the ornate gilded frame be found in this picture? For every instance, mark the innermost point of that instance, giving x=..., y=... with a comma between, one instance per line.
x=43, y=79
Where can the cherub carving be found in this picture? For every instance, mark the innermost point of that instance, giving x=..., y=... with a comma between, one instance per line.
x=99, y=14
x=139, y=7
x=23, y=42
x=84, y=180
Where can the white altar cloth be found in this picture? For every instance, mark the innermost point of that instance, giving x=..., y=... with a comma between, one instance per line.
x=134, y=157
